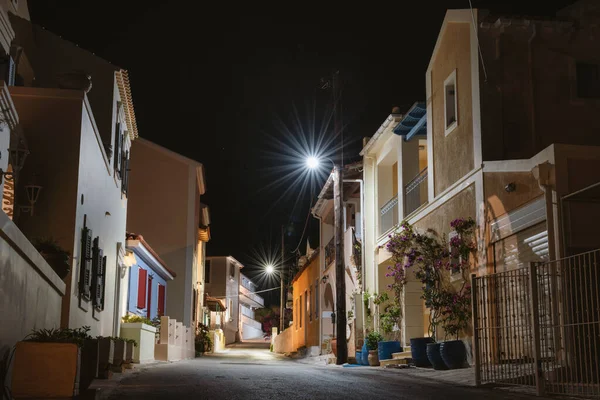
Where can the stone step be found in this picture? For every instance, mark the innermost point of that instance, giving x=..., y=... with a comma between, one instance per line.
x=394, y=361
x=404, y=354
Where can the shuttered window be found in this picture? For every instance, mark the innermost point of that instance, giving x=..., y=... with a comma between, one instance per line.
x=98, y=269
x=142, y=277
x=118, y=149
x=519, y=249
x=125, y=173
x=85, y=279
x=161, y=300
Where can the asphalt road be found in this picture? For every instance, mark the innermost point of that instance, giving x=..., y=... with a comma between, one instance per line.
x=245, y=373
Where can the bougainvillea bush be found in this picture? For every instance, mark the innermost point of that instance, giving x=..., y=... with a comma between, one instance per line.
x=433, y=260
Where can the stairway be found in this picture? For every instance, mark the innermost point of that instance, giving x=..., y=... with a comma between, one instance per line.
x=398, y=359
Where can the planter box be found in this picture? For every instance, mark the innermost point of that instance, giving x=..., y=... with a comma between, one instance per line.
x=106, y=350
x=89, y=363
x=145, y=336
x=119, y=355
x=44, y=370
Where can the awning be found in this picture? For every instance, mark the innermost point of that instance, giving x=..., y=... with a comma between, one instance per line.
x=214, y=304
x=414, y=122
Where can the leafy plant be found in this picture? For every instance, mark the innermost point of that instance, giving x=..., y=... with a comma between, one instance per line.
x=132, y=341
x=63, y=335
x=203, y=342
x=132, y=319
x=49, y=246
x=373, y=339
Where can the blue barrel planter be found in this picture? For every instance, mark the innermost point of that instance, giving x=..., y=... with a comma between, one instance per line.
x=418, y=349
x=454, y=354
x=385, y=349
x=365, y=355
x=434, y=356
x=359, y=357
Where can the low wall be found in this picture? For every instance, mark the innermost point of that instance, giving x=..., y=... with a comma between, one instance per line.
x=144, y=335
x=176, y=341
x=284, y=342
x=30, y=291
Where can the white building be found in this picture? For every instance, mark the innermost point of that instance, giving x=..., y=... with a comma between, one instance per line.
x=249, y=301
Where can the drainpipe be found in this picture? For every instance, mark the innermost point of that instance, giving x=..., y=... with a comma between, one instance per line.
x=362, y=247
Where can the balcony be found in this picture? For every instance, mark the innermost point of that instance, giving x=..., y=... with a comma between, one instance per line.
x=250, y=298
x=330, y=252
x=415, y=192
x=388, y=215
x=251, y=322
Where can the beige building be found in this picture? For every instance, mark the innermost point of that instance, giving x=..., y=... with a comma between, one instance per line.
x=222, y=282
x=164, y=205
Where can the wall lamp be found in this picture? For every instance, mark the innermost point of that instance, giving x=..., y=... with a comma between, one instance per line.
x=17, y=156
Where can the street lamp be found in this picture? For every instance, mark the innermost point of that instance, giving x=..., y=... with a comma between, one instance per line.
x=340, y=273
x=270, y=269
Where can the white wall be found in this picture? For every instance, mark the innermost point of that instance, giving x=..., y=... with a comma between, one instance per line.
x=106, y=212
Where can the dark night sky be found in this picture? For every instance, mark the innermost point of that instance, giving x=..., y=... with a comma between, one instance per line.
x=209, y=83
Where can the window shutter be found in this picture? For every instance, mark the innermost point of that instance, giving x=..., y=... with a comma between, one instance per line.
x=142, y=278
x=85, y=279
x=103, y=280
x=117, y=157
x=97, y=273
x=161, y=300
x=125, y=173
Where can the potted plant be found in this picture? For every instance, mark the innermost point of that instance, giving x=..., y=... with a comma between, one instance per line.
x=106, y=351
x=373, y=339
x=389, y=321
x=203, y=343
x=35, y=372
x=119, y=355
x=129, y=347
x=54, y=255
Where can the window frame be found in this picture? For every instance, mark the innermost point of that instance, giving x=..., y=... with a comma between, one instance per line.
x=450, y=80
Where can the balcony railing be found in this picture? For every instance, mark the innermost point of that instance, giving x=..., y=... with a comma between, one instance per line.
x=330, y=252
x=251, y=322
x=388, y=215
x=256, y=298
x=415, y=192
x=247, y=312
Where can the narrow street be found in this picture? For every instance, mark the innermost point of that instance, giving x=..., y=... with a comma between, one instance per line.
x=247, y=372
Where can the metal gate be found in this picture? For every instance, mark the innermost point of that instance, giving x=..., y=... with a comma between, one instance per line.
x=539, y=326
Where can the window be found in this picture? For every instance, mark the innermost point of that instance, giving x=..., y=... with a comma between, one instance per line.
x=98, y=275
x=300, y=309
x=161, y=300
x=588, y=80
x=317, y=299
x=125, y=173
x=450, y=103
x=118, y=155
x=231, y=271
x=207, y=271
x=141, y=297
x=309, y=304
x=230, y=309
x=85, y=280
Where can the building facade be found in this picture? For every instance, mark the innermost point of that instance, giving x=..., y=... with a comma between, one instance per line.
x=250, y=328
x=174, y=221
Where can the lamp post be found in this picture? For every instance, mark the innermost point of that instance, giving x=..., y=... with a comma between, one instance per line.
x=340, y=273
x=270, y=269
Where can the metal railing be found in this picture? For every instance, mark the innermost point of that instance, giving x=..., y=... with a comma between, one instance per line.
x=539, y=326
x=388, y=217
x=251, y=322
x=244, y=291
x=415, y=192
x=247, y=312
x=330, y=252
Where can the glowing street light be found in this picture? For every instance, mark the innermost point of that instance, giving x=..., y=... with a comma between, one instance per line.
x=269, y=269
x=312, y=162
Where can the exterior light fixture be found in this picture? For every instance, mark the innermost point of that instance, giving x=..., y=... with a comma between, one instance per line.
x=270, y=269
x=17, y=156
x=33, y=192
x=511, y=187
x=312, y=162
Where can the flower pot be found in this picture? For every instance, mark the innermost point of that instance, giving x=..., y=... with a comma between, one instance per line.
x=106, y=351
x=334, y=346
x=454, y=354
x=119, y=355
x=373, y=358
x=46, y=370
x=386, y=349
x=129, y=346
x=434, y=356
x=365, y=354
x=418, y=349
x=89, y=363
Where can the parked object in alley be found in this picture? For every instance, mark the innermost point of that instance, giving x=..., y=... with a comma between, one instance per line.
x=434, y=356
x=454, y=353
x=418, y=349
x=35, y=373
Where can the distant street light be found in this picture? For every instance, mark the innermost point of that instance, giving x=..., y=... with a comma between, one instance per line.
x=270, y=269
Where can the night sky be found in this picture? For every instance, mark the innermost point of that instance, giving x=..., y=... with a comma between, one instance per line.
x=223, y=86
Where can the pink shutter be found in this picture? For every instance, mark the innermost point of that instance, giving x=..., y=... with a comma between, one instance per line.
x=142, y=278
